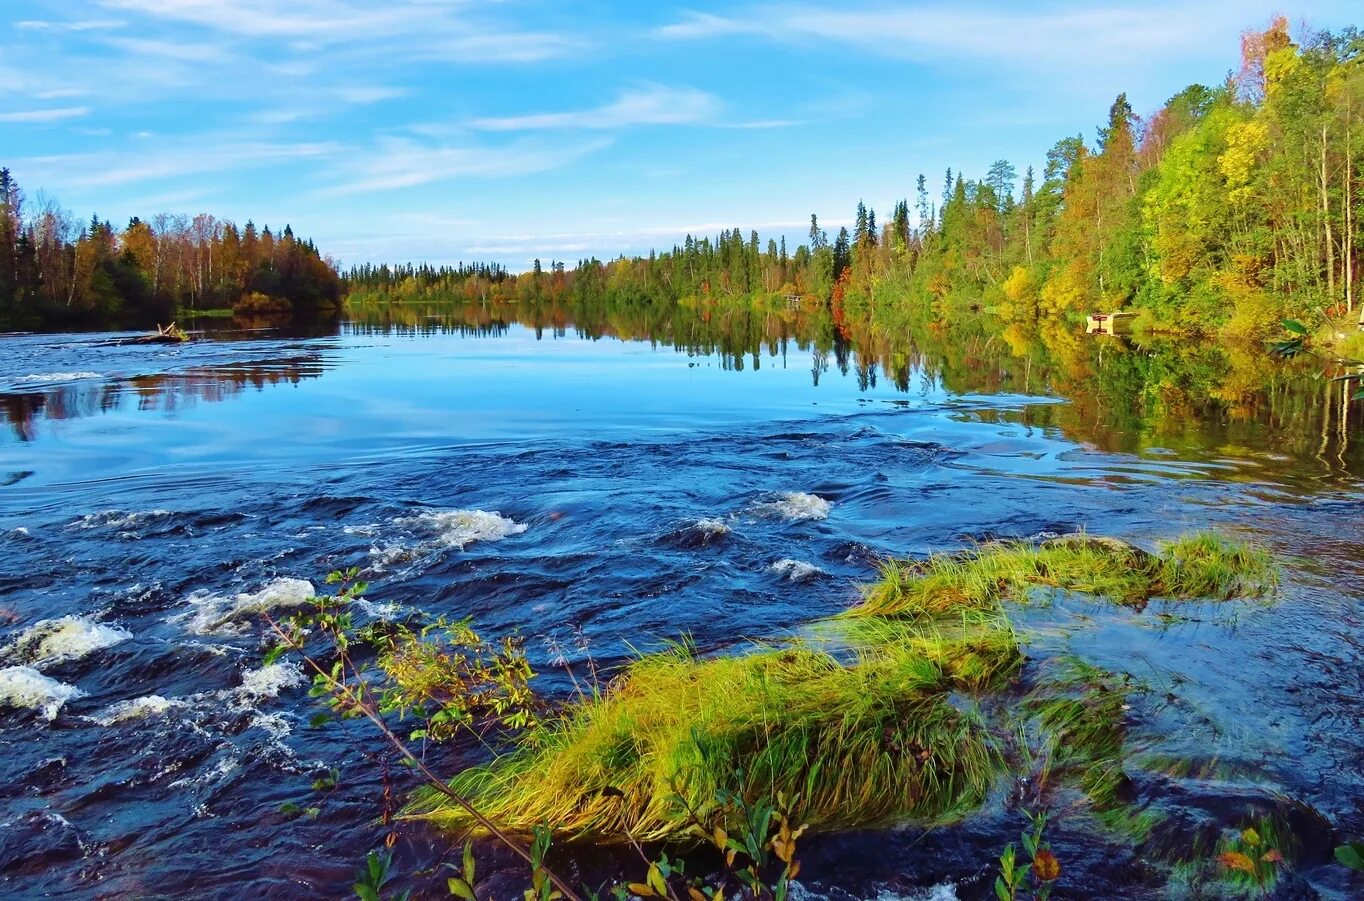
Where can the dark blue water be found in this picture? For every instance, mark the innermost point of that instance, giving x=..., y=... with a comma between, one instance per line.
x=592, y=495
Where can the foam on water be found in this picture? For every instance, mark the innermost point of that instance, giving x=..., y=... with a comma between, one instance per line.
x=137, y=708
x=24, y=686
x=460, y=528
x=438, y=530
x=944, y=891
x=711, y=528
x=269, y=681
x=216, y=614
x=67, y=638
x=119, y=520
x=386, y=610
x=50, y=377
x=799, y=505
x=795, y=570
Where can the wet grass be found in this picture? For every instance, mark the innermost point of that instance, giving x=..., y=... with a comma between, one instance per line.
x=879, y=738
x=1203, y=565
x=872, y=717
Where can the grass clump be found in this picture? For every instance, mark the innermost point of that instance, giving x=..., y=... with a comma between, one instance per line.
x=852, y=743
x=1203, y=565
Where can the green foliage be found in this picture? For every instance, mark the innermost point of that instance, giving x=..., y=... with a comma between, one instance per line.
x=1250, y=859
x=57, y=274
x=376, y=874
x=1038, y=875
x=1351, y=854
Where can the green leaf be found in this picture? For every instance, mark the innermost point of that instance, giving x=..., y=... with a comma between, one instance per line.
x=469, y=861
x=320, y=719
x=460, y=888
x=273, y=654
x=656, y=882
x=1351, y=855
x=1002, y=890
x=1295, y=326
x=364, y=892
x=290, y=809
x=1358, y=395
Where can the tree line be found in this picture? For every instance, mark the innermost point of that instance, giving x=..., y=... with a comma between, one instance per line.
x=1229, y=209
x=58, y=272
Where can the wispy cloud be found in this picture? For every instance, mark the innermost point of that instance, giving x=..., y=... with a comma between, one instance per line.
x=73, y=26
x=160, y=162
x=437, y=30
x=182, y=51
x=396, y=163
x=311, y=20
x=1064, y=37
x=360, y=95
x=42, y=116
x=499, y=47
x=656, y=105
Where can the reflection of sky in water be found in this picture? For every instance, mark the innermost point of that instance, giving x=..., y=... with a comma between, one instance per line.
x=617, y=491
x=79, y=409
x=360, y=395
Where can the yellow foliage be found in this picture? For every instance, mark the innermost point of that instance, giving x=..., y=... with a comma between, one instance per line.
x=1279, y=64
x=1246, y=142
x=1067, y=290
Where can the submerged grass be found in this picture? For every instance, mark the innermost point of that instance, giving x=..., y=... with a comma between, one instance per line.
x=1203, y=565
x=869, y=719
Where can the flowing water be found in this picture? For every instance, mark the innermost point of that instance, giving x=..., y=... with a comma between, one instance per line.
x=613, y=485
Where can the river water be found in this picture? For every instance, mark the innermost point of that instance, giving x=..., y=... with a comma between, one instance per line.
x=598, y=493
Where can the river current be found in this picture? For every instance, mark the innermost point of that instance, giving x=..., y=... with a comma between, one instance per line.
x=598, y=496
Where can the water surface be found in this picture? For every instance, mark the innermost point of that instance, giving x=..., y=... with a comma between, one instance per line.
x=618, y=483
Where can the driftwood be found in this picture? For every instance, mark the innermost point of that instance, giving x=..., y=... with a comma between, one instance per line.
x=171, y=334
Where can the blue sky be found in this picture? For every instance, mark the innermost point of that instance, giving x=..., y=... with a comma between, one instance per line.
x=447, y=130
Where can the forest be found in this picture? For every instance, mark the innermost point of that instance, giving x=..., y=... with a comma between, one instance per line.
x=1224, y=212
x=58, y=273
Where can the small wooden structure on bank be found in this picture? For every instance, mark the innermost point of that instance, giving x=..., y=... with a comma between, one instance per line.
x=1119, y=323
x=793, y=301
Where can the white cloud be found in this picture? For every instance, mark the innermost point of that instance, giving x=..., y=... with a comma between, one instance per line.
x=404, y=163
x=443, y=31
x=311, y=20
x=361, y=95
x=203, y=155
x=79, y=25
x=1063, y=38
x=500, y=47
x=40, y=116
x=181, y=51
x=655, y=105
x=705, y=25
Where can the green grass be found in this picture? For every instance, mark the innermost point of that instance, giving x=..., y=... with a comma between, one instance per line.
x=870, y=718
x=1203, y=565
x=857, y=743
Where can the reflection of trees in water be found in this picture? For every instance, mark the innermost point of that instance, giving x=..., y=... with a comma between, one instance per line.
x=1200, y=400
x=169, y=393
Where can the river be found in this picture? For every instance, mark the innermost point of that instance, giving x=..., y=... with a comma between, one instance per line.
x=599, y=485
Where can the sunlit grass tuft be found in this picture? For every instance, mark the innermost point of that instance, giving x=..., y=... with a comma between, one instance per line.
x=1203, y=565
x=869, y=719
x=856, y=743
